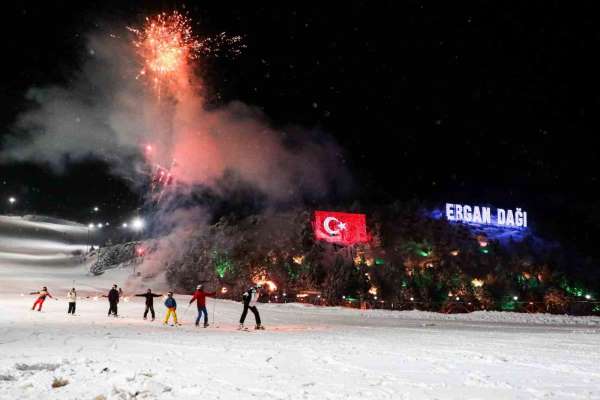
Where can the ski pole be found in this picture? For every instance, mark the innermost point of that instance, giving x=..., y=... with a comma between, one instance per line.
x=186, y=310
x=214, y=308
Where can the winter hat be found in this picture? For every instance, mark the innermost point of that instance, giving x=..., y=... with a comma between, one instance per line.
x=198, y=287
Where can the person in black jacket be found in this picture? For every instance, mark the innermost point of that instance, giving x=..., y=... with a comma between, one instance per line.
x=250, y=298
x=149, y=302
x=113, y=300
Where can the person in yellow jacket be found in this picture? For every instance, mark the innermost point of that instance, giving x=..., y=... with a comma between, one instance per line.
x=171, y=305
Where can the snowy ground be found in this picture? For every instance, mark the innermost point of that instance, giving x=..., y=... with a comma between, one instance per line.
x=306, y=352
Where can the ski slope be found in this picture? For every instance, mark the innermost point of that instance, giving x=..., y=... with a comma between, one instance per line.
x=305, y=353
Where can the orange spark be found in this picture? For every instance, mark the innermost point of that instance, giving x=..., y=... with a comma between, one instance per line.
x=166, y=44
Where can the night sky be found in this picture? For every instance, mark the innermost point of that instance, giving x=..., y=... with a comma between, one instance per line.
x=469, y=102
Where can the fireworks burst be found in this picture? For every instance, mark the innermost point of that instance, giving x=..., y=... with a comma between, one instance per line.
x=166, y=44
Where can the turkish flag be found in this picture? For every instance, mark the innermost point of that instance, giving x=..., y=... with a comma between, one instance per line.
x=340, y=228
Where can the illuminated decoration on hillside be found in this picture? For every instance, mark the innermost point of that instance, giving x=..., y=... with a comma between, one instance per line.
x=222, y=265
x=373, y=290
x=270, y=285
x=477, y=283
x=483, y=216
x=260, y=277
x=298, y=259
x=345, y=229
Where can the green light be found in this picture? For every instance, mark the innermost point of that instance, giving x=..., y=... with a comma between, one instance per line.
x=484, y=250
x=222, y=265
x=379, y=261
x=509, y=303
x=423, y=253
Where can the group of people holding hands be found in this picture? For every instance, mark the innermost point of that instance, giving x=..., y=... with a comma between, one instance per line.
x=249, y=298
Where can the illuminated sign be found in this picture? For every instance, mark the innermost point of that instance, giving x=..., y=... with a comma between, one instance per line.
x=484, y=216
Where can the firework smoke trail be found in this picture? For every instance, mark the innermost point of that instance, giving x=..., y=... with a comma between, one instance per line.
x=166, y=47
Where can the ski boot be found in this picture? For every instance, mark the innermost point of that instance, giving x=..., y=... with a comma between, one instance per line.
x=259, y=327
x=206, y=324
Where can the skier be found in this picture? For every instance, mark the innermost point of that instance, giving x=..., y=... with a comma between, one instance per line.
x=149, y=302
x=200, y=297
x=41, y=298
x=171, y=305
x=250, y=298
x=113, y=300
x=71, y=298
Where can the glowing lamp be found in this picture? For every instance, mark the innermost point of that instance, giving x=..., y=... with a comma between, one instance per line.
x=137, y=224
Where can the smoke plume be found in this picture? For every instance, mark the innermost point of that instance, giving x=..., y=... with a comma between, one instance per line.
x=108, y=112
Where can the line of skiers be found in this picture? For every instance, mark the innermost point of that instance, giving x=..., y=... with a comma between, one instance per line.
x=249, y=298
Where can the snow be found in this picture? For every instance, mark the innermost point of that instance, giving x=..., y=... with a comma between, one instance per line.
x=306, y=352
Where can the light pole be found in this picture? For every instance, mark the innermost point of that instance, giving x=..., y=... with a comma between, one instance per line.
x=11, y=203
x=137, y=225
x=90, y=227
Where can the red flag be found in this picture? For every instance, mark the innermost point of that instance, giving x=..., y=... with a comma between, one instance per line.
x=340, y=228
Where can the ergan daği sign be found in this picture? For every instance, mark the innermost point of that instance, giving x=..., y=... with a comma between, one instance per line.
x=508, y=218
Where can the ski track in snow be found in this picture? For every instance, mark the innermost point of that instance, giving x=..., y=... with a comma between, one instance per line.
x=305, y=353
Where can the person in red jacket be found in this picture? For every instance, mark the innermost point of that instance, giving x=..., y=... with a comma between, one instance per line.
x=41, y=298
x=200, y=297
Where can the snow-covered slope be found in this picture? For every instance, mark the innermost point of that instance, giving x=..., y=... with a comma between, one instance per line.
x=305, y=353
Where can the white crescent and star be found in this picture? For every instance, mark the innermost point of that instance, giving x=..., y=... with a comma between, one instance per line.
x=341, y=226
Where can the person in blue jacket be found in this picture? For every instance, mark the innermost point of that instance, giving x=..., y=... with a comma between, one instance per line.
x=171, y=305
